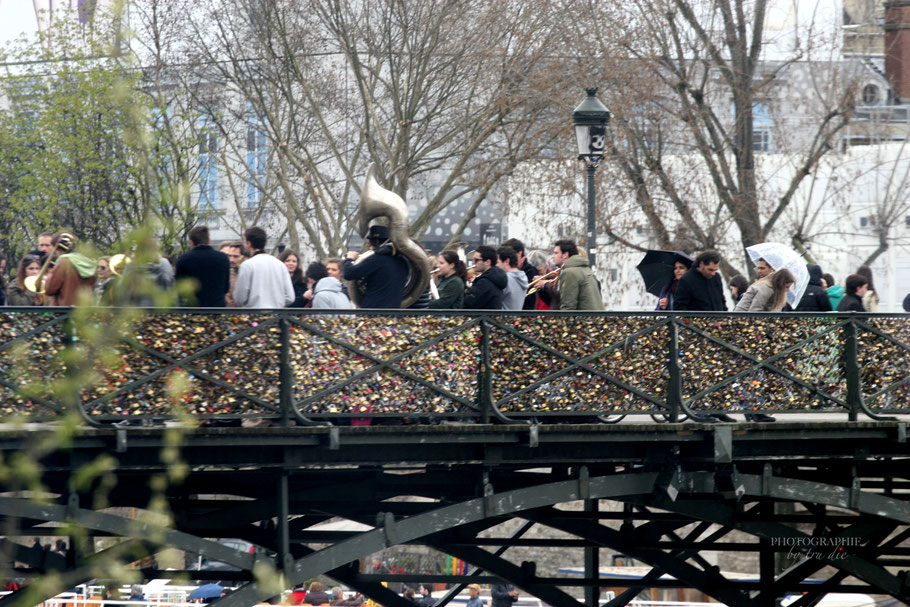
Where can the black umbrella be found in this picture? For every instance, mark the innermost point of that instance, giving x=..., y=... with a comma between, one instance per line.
x=657, y=269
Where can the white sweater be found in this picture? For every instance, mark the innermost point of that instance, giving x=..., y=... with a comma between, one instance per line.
x=263, y=282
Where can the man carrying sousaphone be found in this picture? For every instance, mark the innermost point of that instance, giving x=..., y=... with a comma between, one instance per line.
x=73, y=272
x=384, y=274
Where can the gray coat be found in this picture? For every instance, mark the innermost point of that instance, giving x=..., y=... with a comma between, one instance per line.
x=758, y=298
x=328, y=294
x=263, y=282
x=513, y=296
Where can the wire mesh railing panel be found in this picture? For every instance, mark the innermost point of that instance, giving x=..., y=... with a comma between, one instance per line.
x=249, y=365
x=384, y=393
x=884, y=361
x=704, y=362
x=640, y=361
x=199, y=364
x=762, y=363
x=818, y=363
x=31, y=343
x=403, y=365
x=588, y=364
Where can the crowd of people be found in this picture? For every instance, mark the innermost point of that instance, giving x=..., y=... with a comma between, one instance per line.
x=244, y=274
x=237, y=274
x=315, y=594
x=501, y=278
x=697, y=287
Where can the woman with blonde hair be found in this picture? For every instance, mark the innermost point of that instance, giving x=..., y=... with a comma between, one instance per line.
x=768, y=294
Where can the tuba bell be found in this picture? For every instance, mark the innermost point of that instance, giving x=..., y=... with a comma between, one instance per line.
x=118, y=263
x=376, y=201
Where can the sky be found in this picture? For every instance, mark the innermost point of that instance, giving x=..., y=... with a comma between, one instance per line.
x=16, y=17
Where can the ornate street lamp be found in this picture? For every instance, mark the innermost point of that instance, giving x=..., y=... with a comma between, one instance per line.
x=591, y=118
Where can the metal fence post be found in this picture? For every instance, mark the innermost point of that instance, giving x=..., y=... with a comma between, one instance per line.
x=486, y=381
x=285, y=380
x=73, y=369
x=854, y=378
x=674, y=382
x=592, y=562
x=285, y=559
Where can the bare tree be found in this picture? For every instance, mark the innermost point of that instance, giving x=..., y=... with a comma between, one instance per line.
x=854, y=204
x=446, y=96
x=695, y=92
x=174, y=170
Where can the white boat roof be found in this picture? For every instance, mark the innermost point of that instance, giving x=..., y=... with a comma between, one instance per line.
x=636, y=573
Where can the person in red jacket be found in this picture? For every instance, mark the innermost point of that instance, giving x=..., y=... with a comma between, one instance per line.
x=297, y=595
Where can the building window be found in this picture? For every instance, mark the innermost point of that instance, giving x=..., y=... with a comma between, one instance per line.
x=761, y=140
x=871, y=95
x=256, y=149
x=762, y=124
x=208, y=168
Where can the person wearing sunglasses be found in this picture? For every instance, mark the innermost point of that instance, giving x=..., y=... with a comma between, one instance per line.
x=486, y=292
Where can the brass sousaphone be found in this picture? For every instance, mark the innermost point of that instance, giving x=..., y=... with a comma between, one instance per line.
x=376, y=201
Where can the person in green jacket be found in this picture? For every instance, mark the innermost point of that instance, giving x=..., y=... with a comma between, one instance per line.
x=578, y=289
x=834, y=290
x=452, y=275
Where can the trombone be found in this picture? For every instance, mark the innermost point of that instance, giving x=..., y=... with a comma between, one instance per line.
x=539, y=281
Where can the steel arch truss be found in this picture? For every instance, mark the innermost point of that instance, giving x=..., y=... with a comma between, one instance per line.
x=681, y=514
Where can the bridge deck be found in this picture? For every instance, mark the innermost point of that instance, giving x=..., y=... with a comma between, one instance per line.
x=487, y=445
x=482, y=413
x=684, y=488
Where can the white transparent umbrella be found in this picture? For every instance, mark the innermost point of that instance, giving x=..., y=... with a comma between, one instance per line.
x=780, y=256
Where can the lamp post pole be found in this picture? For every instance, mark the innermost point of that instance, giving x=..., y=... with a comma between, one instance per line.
x=590, y=168
x=591, y=119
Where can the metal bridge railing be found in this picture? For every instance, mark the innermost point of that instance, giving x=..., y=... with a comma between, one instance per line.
x=362, y=367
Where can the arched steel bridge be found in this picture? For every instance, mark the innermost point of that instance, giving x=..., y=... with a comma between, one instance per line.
x=485, y=413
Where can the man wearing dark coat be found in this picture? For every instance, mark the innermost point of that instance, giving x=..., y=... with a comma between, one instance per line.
x=384, y=274
x=208, y=270
x=815, y=298
x=701, y=289
x=487, y=291
x=503, y=595
x=853, y=300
